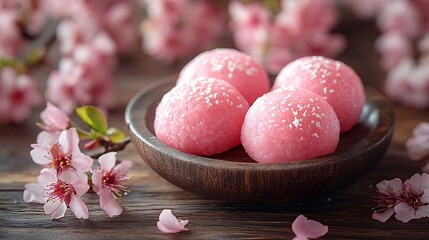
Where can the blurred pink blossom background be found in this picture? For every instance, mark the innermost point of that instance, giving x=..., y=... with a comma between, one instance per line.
x=92, y=36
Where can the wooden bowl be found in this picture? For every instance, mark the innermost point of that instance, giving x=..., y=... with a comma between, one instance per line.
x=233, y=176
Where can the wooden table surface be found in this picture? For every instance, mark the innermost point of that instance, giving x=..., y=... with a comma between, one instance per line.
x=346, y=211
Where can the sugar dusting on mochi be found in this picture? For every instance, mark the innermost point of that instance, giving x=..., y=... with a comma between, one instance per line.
x=288, y=125
x=333, y=80
x=237, y=68
x=202, y=117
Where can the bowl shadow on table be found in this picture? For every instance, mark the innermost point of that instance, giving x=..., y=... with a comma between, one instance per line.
x=233, y=177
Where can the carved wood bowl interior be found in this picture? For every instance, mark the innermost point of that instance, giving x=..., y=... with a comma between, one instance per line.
x=234, y=176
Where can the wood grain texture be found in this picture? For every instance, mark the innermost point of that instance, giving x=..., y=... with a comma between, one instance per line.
x=233, y=176
x=346, y=211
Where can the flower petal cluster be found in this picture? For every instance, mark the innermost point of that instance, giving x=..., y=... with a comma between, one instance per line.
x=18, y=94
x=404, y=26
x=408, y=200
x=64, y=179
x=171, y=31
x=297, y=29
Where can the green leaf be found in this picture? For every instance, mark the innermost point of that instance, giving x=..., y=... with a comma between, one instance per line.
x=116, y=135
x=18, y=65
x=36, y=56
x=272, y=5
x=93, y=118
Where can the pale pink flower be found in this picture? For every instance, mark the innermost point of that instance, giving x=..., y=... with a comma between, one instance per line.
x=162, y=41
x=418, y=144
x=70, y=33
x=53, y=122
x=53, y=119
x=120, y=16
x=301, y=28
x=169, y=37
x=252, y=29
x=408, y=84
x=64, y=156
x=84, y=20
x=168, y=223
x=400, y=16
x=11, y=40
x=109, y=182
x=394, y=47
x=202, y=34
x=415, y=201
x=57, y=194
x=18, y=94
x=367, y=8
x=308, y=229
x=85, y=77
x=306, y=16
x=169, y=9
x=16, y=17
x=390, y=192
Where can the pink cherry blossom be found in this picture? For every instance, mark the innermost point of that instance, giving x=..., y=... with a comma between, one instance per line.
x=169, y=9
x=168, y=223
x=400, y=16
x=252, y=26
x=120, y=16
x=366, y=8
x=85, y=19
x=390, y=192
x=11, y=40
x=18, y=94
x=109, y=182
x=418, y=144
x=415, y=202
x=85, y=77
x=53, y=119
x=408, y=83
x=57, y=194
x=64, y=156
x=17, y=17
x=394, y=48
x=300, y=28
x=70, y=33
x=170, y=31
x=305, y=16
x=308, y=229
x=53, y=122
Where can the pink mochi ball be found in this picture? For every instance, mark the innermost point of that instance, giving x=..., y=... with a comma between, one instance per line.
x=202, y=117
x=237, y=68
x=336, y=82
x=288, y=125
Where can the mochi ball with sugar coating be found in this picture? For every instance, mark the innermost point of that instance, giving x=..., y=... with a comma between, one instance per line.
x=288, y=125
x=202, y=117
x=336, y=82
x=235, y=67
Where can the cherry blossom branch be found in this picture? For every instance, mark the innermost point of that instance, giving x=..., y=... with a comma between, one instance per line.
x=67, y=174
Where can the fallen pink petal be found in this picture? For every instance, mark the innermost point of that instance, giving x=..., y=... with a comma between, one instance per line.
x=168, y=223
x=308, y=229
